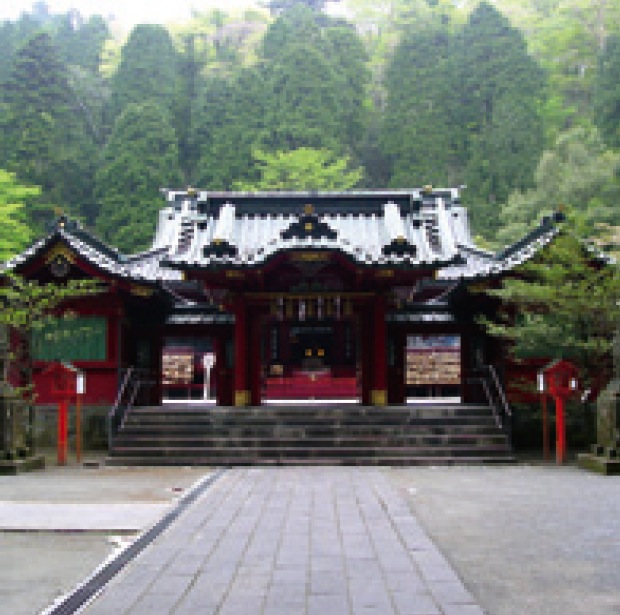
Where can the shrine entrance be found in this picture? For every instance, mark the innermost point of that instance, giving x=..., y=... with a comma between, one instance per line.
x=316, y=361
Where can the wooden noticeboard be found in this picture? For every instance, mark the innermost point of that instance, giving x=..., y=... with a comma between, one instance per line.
x=429, y=367
x=177, y=368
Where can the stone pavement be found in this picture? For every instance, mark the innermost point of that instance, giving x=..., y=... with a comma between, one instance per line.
x=529, y=539
x=60, y=524
x=287, y=541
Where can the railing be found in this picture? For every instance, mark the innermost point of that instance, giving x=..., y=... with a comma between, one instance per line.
x=487, y=377
x=135, y=382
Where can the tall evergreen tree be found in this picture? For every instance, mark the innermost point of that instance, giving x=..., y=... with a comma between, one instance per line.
x=499, y=89
x=417, y=132
x=607, y=92
x=45, y=126
x=81, y=41
x=228, y=118
x=140, y=158
x=307, y=91
x=579, y=171
x=148, y=70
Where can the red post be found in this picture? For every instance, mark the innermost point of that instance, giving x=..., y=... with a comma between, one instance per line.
x=545, y=426
x=241, y=392
x=256, y=365
x=379, y=392
x=63, y=411
x=560, y=430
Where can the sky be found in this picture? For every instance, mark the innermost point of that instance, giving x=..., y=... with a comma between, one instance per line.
x=127, y=12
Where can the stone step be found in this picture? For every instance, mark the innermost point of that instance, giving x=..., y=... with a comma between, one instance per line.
x=326, y=461
x=307, y=433
x=318, y=426
x=283, y=452
x=404, y=440
x=428, y=411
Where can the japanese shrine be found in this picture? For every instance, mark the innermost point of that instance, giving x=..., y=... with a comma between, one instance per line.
x=250, y=299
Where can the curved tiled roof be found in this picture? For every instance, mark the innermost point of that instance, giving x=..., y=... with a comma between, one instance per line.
x=402, y=228
x=144, y=267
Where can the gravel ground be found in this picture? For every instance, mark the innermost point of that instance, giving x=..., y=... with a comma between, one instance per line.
x=526, y=540
x=40, y=566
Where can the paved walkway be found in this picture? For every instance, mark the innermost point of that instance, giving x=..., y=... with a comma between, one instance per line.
x=286, y=541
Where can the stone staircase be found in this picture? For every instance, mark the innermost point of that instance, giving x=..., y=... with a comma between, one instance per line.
x=310, y=434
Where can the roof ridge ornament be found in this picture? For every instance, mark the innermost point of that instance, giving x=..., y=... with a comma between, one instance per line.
x=309, y=225
x=221, y=243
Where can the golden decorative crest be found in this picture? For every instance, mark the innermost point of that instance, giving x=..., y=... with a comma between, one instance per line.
x=310, y=257
x=140, y=291
x=59, y=249
x=308, y=209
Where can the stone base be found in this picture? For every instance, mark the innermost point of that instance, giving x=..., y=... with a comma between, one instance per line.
x=16, y=466
x=601, y=465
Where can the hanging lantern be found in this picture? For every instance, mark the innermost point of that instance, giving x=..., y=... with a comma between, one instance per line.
x=302, y=310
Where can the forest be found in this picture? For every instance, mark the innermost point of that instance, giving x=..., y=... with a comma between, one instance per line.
x=516, y=100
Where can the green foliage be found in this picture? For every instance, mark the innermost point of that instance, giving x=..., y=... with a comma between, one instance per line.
x=498, y=89
x=416, y=136
x=148, y=71
x=463, y=107
x=607, y=92
x=579, y=172
x=29, y=306
x=140, y=157
x=563, y=305
x=315, y=83
x=279, y=6
x=81, y=42
x=303, y=169
x=46, y=128
x=306, y=92
x=14, y=231
x=227, y=121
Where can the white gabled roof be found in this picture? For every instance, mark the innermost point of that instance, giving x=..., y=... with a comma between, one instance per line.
x=408, y=229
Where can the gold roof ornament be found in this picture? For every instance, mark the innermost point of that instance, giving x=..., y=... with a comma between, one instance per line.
x=61, y=250
x=309, y=209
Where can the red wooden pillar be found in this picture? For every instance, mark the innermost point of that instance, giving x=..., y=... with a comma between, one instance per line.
x=379, y=352
x=240, y=377
x=365, y=341
x=63, y=420
x=256, y=360
x=560, y=430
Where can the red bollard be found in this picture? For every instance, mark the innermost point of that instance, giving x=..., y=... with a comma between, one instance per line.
x=63, y=420
x=560, y=430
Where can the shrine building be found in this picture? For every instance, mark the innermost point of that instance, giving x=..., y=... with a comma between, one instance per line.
x=247, y=299
x=357, y=295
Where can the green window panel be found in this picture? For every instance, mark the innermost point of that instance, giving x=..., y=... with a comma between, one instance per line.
x=71, y=339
